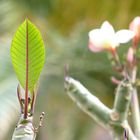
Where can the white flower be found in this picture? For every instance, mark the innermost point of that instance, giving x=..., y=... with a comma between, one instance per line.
x=105, y=38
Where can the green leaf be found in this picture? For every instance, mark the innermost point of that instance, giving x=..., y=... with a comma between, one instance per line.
x=28, y=54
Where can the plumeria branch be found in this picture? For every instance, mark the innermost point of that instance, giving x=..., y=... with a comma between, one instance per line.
x=114, y=119
x=122, y=100
x=135, y=112
x=87, y=102
x=132, y=59
x=135, y=103
x=129, y=71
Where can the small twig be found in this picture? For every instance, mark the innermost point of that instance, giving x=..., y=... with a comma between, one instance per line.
x=40, y=122
x=115, y=80
x=66, y=69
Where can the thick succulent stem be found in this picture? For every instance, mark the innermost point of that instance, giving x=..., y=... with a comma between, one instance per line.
x=135, y=113
x=87, y=102
x=122, y=100
x=24, y=130
x=135, y=105
x=120, y=110
x=115, y=119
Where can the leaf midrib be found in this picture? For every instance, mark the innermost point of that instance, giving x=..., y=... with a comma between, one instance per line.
x=26, y=81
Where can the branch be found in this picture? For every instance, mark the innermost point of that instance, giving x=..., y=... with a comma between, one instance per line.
x=87, y=102
x=122, y=101
x=135, y=112
x=24, y=129
x=98, y=111
x=135, y=105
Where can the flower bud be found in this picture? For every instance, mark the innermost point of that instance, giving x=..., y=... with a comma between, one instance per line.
x=135, y=26
x=130, y=55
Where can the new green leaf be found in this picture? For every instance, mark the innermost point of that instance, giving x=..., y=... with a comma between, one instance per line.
x=28, y=54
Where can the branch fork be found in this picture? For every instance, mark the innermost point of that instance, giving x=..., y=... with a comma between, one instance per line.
x=114, y=119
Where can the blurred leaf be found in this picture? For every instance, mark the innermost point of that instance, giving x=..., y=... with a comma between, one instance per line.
x=28, y=54
x=73, y=19
x=9, y=106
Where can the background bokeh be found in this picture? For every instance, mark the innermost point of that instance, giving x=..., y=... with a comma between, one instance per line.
x=64, y=25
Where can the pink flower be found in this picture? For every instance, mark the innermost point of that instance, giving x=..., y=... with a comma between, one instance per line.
x=135, y=26
x=130, y=55
x=105, y=38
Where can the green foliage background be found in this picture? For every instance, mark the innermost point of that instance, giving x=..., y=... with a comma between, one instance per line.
x=64, y=25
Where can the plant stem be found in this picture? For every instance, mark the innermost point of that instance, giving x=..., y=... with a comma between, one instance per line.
x=135, y=105
x=87, y=102
x=135, y=113
x=24, y=129
x=112, y=119
x=122, y=100
x=130, y=134
x=120, y=110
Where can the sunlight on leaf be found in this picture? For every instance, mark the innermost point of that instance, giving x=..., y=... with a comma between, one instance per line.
x=28, y=54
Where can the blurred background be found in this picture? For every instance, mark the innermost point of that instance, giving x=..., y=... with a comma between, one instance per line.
x=64, y=25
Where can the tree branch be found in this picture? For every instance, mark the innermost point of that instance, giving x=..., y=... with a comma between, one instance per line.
x=114, y=119
x=135, y=105
x=122, y=100
x=87, y=102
